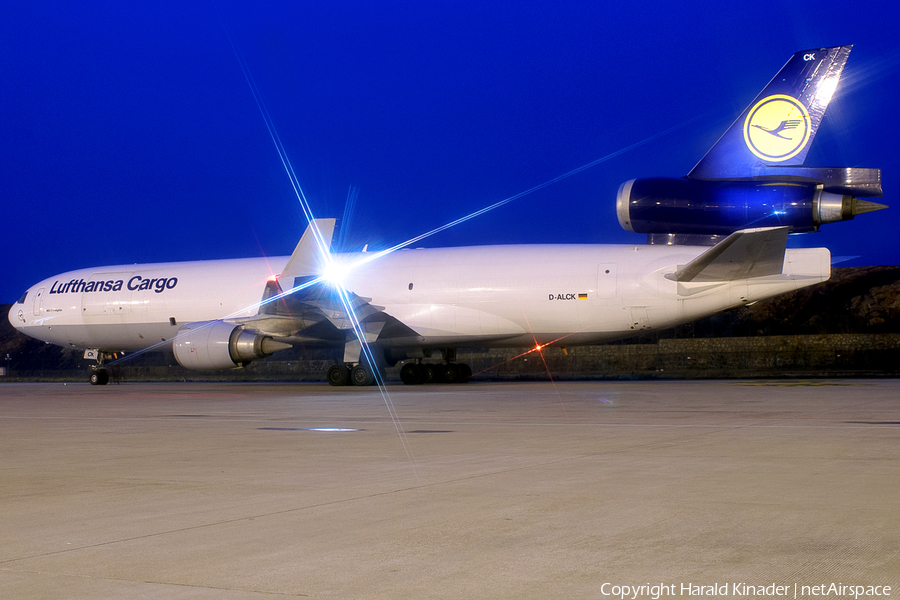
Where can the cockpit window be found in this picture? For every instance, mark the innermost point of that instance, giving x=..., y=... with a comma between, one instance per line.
x=22, y=299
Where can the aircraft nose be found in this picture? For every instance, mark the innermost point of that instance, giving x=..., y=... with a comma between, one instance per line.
x=16, y=315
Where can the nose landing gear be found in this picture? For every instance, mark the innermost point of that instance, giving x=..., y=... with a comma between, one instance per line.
x=99, y=375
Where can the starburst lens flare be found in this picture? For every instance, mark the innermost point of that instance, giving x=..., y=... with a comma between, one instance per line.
x=366, y=353
x=335, y=273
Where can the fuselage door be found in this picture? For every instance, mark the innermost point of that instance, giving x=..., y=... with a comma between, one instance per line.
x=38, y=299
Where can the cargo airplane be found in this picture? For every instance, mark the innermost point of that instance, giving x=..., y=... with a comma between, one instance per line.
x=716, y=239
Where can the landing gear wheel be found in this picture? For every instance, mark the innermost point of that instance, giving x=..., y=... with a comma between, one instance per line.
x=411, y=374
x=465, y=372
x=99, y=377
x=338, y=375
x=362, y=375
x=430, y=373
x=450, y=373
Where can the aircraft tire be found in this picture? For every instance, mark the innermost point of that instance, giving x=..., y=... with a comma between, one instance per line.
x=362, y=375
x=338, y=375
x=465, y=372
x=430, y=373
x=411, y=374
x=450, y=373
x=99, y=377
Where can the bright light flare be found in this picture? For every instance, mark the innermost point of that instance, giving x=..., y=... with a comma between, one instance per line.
x=335, y=272
x=536, y=348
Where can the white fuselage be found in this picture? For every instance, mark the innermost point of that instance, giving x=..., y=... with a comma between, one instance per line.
x=486, y=296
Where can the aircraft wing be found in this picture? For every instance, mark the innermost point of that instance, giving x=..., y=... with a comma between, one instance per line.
x=299, y=306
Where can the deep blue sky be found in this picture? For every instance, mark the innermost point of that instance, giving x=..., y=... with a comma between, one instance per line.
x=129, y=133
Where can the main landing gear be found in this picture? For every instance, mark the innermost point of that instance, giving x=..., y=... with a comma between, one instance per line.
x=360, y=374
x=418, y=372
x=449, y=371
x=354, y=370
x=412, y=373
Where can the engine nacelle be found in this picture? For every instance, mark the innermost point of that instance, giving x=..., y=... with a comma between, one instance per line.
x=208, y=345
x=692, y=206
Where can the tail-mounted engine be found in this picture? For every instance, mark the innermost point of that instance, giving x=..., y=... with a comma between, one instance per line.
x=753, y=176
x=208, y=345
x=665, y=207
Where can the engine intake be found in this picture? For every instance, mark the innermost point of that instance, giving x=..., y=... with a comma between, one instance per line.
x=208, y=345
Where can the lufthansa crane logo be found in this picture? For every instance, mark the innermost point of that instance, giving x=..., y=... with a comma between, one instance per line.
x=777, y=128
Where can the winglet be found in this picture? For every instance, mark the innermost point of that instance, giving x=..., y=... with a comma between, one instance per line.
x=307, y=256
x=742, y=255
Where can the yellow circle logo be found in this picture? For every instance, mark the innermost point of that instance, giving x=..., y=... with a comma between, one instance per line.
x=777, y=128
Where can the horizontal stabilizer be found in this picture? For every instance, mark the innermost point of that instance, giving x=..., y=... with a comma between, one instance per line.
x=307, y=256
x=742, y=255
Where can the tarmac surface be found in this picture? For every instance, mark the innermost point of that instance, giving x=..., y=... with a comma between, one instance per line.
x=485, y=490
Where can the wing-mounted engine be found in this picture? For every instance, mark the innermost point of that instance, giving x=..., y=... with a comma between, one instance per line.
x=297, y=307
x=236, y=342
x=753, y=176
x=221, y=345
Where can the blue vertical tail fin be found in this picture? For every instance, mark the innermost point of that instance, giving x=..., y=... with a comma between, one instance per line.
x=778, y=127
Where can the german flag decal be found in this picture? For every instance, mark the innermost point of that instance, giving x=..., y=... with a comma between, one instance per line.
x=582, y=296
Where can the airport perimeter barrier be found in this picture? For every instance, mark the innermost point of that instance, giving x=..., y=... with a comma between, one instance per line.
x=764, y=356
x=844, y=355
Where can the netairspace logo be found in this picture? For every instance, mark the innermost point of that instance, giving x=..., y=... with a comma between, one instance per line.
x=744, y=590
